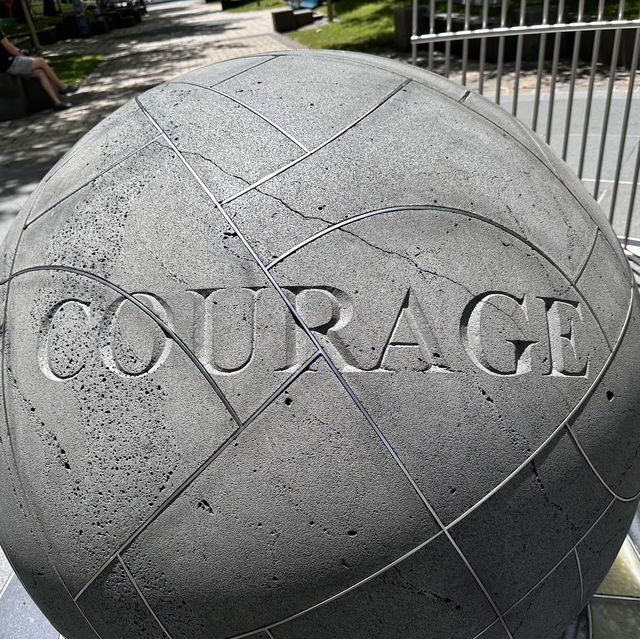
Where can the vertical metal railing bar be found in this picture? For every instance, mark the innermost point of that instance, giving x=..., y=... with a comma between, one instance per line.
x=615, y=42
x=503, y=22
x=447, y=46
x=607, y=106
x=541, y=55
x=625, y=125
x=432, y=29
x=592, y=77
x=519, y=46
x=414, y=31
x=632, y=197
x=572, y=82
x=483, y=47
x=465, y=44
x=554, y=72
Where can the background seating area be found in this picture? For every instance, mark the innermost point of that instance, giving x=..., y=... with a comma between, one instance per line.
x=21, y=96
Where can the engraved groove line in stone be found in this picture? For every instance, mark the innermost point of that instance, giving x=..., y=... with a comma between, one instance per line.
x=36, y=528
x=587, y=258
x=333, y=138
x=246, y=106
x=556, y=566
x=28, y=222
x=167, y=330
x=479, y=582
x=446, y=209
x=549, y=167
x=198, y=471
x=72, y=155
x=573, y=550
x=346, y=591
x=134, y=583
x=243, y=71
x=564, y=422
x=492, y=123
x=597, y=474
x=579, y=566
x=329, y=361
x=564, y=558
x=269, y=633
x=485, y=630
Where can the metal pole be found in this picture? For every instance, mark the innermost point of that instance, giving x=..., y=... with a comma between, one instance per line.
x=607, y=107
x=625, y=124
x=447, y=46
x=432, y=29
x=483, y=46
x=572, y=83
x=541, y=54
x=516, y=88
x=503, y=22
x=632, y=198
x=465, y=44
x=592, y=76
x=554, y=73
x=414, y=31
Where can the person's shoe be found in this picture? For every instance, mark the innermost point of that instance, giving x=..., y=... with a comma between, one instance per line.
x=61, y=106
x=72, y=88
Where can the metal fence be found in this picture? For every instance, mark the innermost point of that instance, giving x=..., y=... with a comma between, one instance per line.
x=568, y=74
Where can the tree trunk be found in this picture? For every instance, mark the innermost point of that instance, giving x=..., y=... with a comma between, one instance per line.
x=26, y=9
x=18, y=11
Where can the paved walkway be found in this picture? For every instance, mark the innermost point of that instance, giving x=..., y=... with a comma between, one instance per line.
x=172, y=39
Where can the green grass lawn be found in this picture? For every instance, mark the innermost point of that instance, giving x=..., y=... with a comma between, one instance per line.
x=40, y=22
x=257, y=5
x=368, y=24
x=71, y=69
x=360, y=26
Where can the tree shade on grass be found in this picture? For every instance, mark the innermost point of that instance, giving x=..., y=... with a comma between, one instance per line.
x=364, y=25
x=360, y=26
x=72, y=68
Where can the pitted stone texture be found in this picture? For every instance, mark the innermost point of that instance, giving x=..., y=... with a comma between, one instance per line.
x=495, y=631
x=606, y=427
x=286, y=465
x=116, y=138
x=556, y=599
x=410, y=418
x=544, y=493
x=431, y=590
x=113, y=603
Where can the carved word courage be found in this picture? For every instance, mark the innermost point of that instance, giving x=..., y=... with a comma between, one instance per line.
x=497, y=332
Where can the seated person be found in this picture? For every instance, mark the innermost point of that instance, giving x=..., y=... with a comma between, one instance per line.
x=16, y=62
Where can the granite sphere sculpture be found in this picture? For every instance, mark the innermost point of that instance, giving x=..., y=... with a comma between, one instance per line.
x=315, y=346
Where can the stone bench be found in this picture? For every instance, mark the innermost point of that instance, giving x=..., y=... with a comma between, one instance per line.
x=288, y=19
x=20, y=97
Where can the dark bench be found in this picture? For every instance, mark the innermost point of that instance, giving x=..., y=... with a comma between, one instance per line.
x=21, y=96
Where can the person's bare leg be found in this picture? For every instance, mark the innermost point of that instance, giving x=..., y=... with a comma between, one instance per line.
x=40, y=64
x=46, y=85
